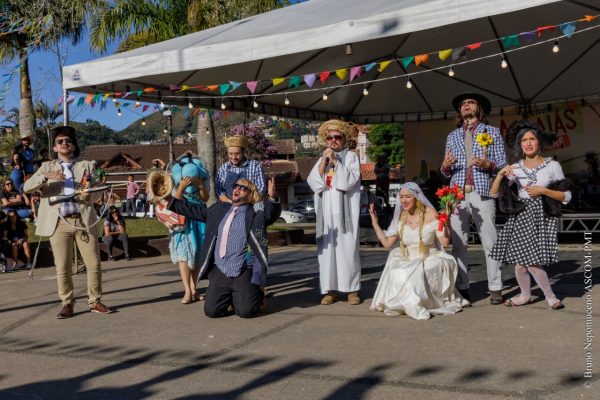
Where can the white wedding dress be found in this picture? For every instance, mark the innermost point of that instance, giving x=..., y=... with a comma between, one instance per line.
x=415, y=285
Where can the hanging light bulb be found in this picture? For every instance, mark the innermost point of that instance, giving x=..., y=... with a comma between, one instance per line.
x=286, y=101
x=408, y=83
x=503, y=64
x=207, y=131
x=143, y=121
x=162, y=104
x=365, y=91
x=189, y=133
x=190, y=105
x=324, y=96
x=223, y=106
x=555, y=48
x=451, y=71
x=114, y=99
x=166, y=130
x=119, y=113
x=137, y=102
x=255, y=103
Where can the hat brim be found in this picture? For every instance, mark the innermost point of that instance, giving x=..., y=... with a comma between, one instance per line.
x=483, y=101
x=64, y=130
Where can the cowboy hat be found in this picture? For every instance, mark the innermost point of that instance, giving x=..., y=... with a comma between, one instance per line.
x=483, y=101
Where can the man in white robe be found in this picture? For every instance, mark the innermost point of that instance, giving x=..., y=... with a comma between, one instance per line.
x=335, y=180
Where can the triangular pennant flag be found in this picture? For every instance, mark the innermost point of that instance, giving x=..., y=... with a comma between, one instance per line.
x=174, y=88
x=223, y=88
x=294, y=81
x=542, y=29
x=383, y=65
x=125, y=105
x=474, y=46
x=106, y=95
x=184, y=88
x=354, y=72
x=136, y=105
x=97, y=98
x=277, y=81
x=251, y=86
x=528, y=36
x=370, y=66
x=406, y=61
x=70, y=99
x=117, y=104
x=341, y=73
x=195, y=111
x=444, y=54
x=117, y=94
x=149, y=90
x=80, y=101
x=139, y=93
x=234, y=85
x=212, y=88
x=175, y=109
x=103, y=105
x=88, y=98
x=510, y=41
x=145, y=107
x=323, y=76
x=216, y=115
x=310, y=79
x=588, y=18
x=92, y=103
x=126, y=94
x=421, y=59
x=568, y=29
x=59, y=102
x=155, y=108
x=459, y=53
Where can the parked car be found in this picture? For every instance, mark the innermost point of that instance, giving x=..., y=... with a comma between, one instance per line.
x=306, y=208
x=290, y=217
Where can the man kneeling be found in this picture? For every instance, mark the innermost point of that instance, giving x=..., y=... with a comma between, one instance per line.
x=236, y=243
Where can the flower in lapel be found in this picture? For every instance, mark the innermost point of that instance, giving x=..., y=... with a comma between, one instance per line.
x=484, y=139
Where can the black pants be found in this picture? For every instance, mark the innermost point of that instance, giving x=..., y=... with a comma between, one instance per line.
x=109, y=242
x=223, y=291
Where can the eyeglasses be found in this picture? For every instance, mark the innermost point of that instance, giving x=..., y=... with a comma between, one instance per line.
x=63, y=141
x=462, y=103
x=241, y=187
x=8, y=183
x=335, y=137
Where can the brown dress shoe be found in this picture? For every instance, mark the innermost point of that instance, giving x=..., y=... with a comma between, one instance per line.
x=496, y=297
x=100, y=308
x=65, y=312
x=329, y=298
x=354, y=299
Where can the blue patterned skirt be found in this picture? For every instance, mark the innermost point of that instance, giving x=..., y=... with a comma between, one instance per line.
x=185, y=245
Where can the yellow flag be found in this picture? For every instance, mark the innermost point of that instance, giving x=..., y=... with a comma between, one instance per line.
x=383, y=65
x=184, y=88
x=341, y=73
x=445, y=54
x=277, y=81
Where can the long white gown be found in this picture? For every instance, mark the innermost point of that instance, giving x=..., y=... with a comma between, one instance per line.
x=415, y=285
x=339, y=260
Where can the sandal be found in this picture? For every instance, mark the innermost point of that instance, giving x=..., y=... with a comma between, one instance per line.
x=557, y=306
x=511, y=303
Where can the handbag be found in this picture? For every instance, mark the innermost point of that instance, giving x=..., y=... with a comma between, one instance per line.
x=508, y=198
x=553, y=208
x=172, y=220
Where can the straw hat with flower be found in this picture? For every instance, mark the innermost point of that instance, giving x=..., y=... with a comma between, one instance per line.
x=339, y=126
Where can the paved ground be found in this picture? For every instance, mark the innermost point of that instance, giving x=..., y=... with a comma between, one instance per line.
x=154, y=347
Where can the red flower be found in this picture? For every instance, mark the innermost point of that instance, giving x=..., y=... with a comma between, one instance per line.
x=442, y=219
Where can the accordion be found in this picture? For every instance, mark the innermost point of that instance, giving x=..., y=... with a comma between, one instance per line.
x=175, y=222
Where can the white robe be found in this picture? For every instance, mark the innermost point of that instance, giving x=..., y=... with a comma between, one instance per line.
x=339, y=261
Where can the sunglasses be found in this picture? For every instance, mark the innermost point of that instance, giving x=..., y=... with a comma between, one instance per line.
x=335, y=137
x=241, y=187
x=63, y=141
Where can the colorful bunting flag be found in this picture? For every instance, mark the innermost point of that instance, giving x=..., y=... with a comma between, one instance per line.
x=370, y=66
x=80, y=101
x=277, y=81
x=106, y=95
x=354, y=72
x=383, y=65
x=126, y=94
x=459, y=53
x=294, y=81
x=125, y=105
x=145, y=107
x=323, y=76
x=234, y=85
x=251, y=86
x=568, y=29
x=174, y=88
x=184, y=88
x=149, y=90
x=528, y=36
x=139, y=93
x=212, y=88
x=97, y=98
x=224, y=88
x=542, y=29
x=510, y=41
x=341, y=73
x=103, y=105
x=474, y=46
x=406, y=61
x=588, y=18
x=310, y=79
x=421, y=59
x=444, y=54
x=88, y=98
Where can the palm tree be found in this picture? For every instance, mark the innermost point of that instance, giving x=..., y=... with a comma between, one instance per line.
x=46, y=117
x=140, y=23
x=46, y=23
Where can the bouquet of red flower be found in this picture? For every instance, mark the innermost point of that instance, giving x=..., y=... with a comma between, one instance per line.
x=449, y=197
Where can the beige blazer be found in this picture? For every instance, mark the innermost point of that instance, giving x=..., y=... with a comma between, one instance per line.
x=47, y=214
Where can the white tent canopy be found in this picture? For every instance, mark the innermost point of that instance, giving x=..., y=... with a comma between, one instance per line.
x=311, y=37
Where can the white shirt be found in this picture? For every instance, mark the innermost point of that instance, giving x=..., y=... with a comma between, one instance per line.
x=547, y=172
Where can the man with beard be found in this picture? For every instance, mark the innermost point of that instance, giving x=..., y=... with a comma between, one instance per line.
x=234, y=254
x=471, y=165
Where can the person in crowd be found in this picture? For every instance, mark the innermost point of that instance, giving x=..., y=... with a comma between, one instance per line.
x=529, y=237
x=12, y=200
x=16, y=162
x=234, y=256
x=382, y=177
x=16, y=233
x=4, y=243
x=133, y=189
x=27, y=157
x=419, y=277
x=335, y=181
x=35, y=204
x=43, y=158
x=115, y=229
x=471, y=165
x=185, y=245
x=69, y=221
x=238, y=166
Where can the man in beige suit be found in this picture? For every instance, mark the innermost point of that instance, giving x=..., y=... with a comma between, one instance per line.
x=69, y=221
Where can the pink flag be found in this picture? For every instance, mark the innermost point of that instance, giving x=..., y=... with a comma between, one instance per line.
x=251, y=86
x=145, y=107
x=310, y=79
x=355, y=71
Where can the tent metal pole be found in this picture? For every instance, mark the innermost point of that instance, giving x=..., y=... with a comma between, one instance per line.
x=65, y=107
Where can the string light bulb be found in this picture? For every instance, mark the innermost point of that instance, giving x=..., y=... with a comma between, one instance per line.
x=166, y=130
x=451, y=71
x=555, y=48
x=190, y=105
x=114, y=99
x=207, y=131
x=162, y=104
x=137, y=102
x=255, y=103
x=223, y=106
x=325, y=97
x=143, y=121
x=119, y=113
x=365, y=91
x=286, y=101
x=504, y=64
x=409, y=83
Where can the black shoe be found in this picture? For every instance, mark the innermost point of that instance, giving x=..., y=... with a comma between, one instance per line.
x=465, y=294
x=496, y=297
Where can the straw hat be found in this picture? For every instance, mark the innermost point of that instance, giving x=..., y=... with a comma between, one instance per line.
x=237, y=141
x=349, y=132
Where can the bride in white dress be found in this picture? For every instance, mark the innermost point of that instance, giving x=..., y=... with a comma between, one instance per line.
x=419, y=276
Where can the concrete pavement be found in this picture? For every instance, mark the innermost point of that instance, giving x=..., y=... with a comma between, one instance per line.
x=156, y=348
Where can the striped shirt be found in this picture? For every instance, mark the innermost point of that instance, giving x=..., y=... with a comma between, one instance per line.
x=68, y=207
x=237, y=244
x=250, y=169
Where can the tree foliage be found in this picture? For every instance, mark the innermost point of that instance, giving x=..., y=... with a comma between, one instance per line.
x=387, y=139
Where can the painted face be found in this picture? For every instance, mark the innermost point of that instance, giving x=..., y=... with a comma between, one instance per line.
x=469, y=108
x=235, y=155
x=63, y=145
x=407, y=200
x=240, y=194
x=530, y=144
x=336, y=141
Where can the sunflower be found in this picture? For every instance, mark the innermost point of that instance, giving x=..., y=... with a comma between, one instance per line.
x=484, y=139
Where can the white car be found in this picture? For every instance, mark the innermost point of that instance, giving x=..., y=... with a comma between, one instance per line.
x=290, y=217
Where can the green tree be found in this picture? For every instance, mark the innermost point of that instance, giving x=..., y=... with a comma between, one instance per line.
x=45, y=23
x=387, y=139
x=46, y=117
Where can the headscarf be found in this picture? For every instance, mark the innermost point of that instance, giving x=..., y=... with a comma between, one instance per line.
x=416, y=191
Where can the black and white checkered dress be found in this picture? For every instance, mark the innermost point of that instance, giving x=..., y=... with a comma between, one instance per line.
x=528, y=238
